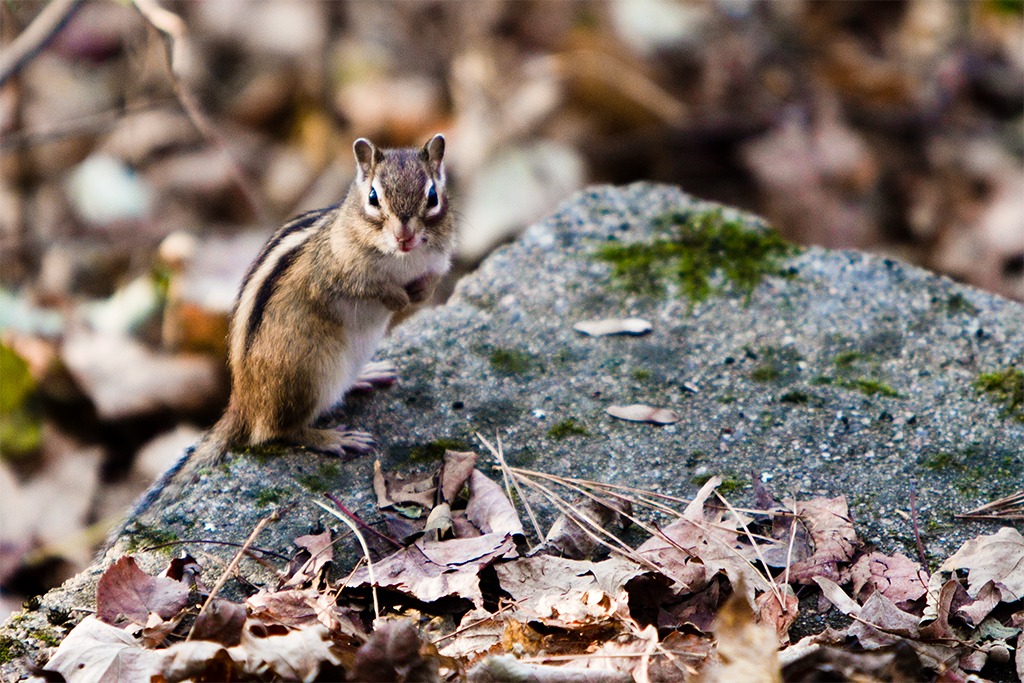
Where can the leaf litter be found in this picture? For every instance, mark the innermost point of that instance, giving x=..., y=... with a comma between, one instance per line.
x=710, y=596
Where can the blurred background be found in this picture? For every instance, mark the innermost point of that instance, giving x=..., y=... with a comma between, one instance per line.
x=148, y=149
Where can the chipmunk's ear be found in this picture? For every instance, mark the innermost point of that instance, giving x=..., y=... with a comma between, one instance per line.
x=367, y=156
x=433, y=154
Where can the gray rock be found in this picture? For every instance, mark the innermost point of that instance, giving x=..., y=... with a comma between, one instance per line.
x=502, y=357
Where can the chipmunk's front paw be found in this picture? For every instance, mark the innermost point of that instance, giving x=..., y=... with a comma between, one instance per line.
x=375, y=374
x=395, y=299
x=422, y=288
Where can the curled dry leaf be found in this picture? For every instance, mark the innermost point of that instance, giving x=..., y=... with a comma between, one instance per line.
x=125, y=593
x=221, y=622
x=489, y=509
x=570, y=538
x=610, y=326
x=455, y=471
x=638, y=412
x=317, y=551
x=832, y=537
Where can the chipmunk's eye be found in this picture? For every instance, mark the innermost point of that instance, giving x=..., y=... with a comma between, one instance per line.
x=373, y=197
x=431, y=197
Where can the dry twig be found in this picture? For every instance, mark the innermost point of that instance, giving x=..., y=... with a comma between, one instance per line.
x=44, y=28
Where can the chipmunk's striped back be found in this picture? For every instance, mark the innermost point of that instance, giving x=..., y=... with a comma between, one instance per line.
x=277, y=255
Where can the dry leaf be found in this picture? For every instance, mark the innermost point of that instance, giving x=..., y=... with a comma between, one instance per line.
x=747, y=651
x=779, y=616
x=501, y=668
x=222, y=622
x=832, y=535
x=571, y=539
x=439, y=521
x=394, y=653
x=898, y=577
x=610, y=326
x=639, y=412
x=478, y=632
x=101, y=653
x=489, y=509
x=455, y=471
x=317, y=551
x=998, y=558
x=294, y=656
x=126, y=593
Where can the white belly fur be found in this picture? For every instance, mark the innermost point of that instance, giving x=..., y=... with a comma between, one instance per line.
x=366, y=322
x=364, y=327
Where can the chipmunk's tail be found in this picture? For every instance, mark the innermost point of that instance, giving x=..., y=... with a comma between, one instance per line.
x=209, y=451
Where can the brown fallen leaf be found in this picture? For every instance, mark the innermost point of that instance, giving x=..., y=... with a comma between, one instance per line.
x=832, y=536
x=611, y=326
x=394, y=652
x=295, y=656
x=639, y=412
x=317, y=550
x=455, y=471
x=779, y=614
x=501, y=668
x=998, y=558
x=433, y=570
x=897, y=577
x=489, y=508
x=222, y=622
x=747, y=651
x=571, y=539
x=125, y=593
x=96, y=652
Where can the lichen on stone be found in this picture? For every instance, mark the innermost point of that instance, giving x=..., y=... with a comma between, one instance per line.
x=1005, y=388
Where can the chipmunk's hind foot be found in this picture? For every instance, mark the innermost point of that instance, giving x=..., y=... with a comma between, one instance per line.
x=339, y=442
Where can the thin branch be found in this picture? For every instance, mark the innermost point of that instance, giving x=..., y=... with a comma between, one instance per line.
x=366, y=553
x=917, y=530
x=499, y=455
x=355, y=518
x=231, y=568
x=172, y=30
x=248, y=551
x=30, y=42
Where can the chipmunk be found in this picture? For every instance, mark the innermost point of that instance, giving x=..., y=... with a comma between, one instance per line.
x=318, y=299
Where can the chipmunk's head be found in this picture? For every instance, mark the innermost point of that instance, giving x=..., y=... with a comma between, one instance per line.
x=401, y=194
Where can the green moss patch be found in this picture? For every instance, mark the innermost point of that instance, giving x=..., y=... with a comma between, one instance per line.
x=703, y=252
x=21, y=426
x=870, y=387
x=11, y=649
x=1005, y=388
x=566, y=428
x=512, y=361
x=270, y=496
x=320, y=482
x=958, y=303
x=776, y=363
x=435, y=450
x=730, y=483
x=144, y=536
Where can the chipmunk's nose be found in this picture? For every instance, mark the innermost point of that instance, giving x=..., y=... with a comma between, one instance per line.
x=406, y=236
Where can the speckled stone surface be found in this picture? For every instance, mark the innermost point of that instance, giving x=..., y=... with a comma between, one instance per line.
x=806, y=428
